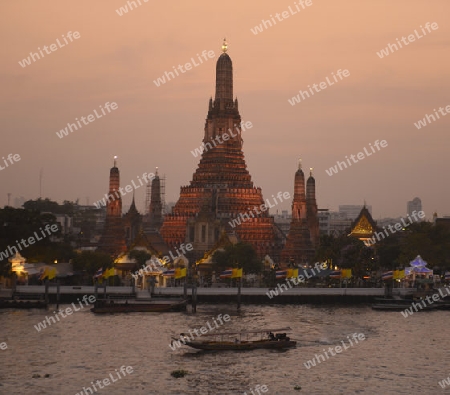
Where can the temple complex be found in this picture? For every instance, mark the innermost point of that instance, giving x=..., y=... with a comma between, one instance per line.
x=303, y=237
x=221, y=188
x=220, y=205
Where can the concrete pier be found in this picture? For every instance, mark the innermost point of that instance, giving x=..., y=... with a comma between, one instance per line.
x=69, y=294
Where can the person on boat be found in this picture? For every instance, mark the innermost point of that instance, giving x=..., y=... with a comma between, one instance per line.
x=271, y=336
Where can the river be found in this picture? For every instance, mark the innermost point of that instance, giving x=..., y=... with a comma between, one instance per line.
x=397, y=356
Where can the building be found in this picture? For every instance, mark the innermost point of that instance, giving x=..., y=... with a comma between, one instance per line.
x=221, y=198
x=333, y=223
x=414, y=205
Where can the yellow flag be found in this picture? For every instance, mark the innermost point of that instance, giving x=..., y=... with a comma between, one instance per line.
x=180, y=273
x=109, y=273
x=401, y=274
x=237, y=273
x=289, y=273
x=52, y=273
x=346, y=273
x=294, y=273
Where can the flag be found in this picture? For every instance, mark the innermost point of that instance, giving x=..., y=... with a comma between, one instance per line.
x=98, y=273
x=294, y=273
x=52, y=273
x=387, y=276
x=280, y=274
x=237, y=273
x=289, y=273
x=346, y=273
x=401, y=274
x=44, y=274
x=180, y=273
x=335, y=274
x=169, y=273
x=226, y=273
x=109, y=273
x=447, y=275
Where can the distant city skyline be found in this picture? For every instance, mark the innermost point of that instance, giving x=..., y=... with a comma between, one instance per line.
x=381, y=99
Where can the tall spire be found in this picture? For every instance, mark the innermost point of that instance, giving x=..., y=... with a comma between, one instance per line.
x=224, y=76
x=224, y=45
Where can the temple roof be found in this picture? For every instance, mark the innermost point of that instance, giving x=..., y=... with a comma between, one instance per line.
x=364, y=226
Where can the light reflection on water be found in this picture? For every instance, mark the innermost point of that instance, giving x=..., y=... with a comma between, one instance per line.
x=399, y=356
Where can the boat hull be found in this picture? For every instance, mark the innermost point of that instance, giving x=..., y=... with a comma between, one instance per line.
x=101, y=307
x=246, y=345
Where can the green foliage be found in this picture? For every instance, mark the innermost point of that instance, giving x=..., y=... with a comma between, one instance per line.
x=347, y=252
x=431, y=242
x=20, y=224
x=91, y=261
x=240, y=255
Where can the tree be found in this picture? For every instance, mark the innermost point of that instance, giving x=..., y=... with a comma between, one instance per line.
x=91, y=261
x=240, y=255
x=430, y=241
x=19, y=226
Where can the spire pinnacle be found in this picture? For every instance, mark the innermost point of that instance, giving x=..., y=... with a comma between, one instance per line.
x=115, y=160
x=156, y=171
x=310, y=171
x=224, y=45
x=300, y=164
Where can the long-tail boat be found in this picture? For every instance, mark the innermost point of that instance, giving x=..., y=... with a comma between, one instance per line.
x=244, y=340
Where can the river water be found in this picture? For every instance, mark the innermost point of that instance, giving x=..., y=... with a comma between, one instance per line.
x=398, y=356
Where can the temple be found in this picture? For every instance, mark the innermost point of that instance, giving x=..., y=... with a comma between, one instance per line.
x=221, y=189
x=303, y=237
x=220, y=205
x=364, y=227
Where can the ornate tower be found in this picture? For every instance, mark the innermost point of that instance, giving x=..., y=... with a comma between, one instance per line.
x=113, y=240
x=132, y=221
x=299, y=248
x=155, y=210
x=311, y=210
x=221, y=188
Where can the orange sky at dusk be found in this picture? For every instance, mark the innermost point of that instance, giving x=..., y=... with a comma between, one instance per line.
x=117, y=58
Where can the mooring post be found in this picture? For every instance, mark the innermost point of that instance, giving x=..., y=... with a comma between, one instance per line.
x=46, y=291
x=57, y=294
x=239, y=280
x=194, y=298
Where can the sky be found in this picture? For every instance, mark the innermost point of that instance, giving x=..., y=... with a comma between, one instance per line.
x=116, y=58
